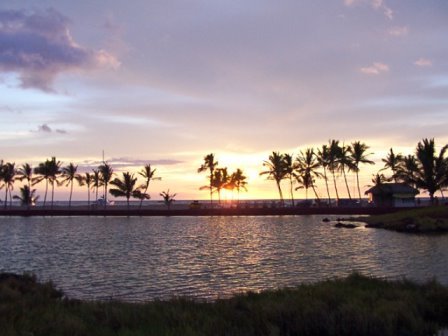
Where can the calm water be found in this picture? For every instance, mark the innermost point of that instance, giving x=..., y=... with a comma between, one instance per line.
x=207, y=257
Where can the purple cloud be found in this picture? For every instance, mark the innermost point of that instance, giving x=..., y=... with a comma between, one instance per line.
x=38, y=46
x=44, y=128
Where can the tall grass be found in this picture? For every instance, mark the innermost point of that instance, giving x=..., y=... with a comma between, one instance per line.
x=356, y=305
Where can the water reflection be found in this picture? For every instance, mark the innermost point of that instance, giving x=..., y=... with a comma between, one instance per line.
x=161, y=257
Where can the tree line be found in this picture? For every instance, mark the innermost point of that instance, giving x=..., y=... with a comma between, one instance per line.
x=425, y=169
x=53, y=173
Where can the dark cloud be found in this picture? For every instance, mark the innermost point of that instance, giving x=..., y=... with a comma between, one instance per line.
x=38, y=46
x=122, y=162
x=44, y=128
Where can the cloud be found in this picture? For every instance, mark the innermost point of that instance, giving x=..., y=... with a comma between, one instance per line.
x=376, y=4
x=44, y=128
x=126, y=162
x=423, y=62
x=38, y=46
x=399, y=31
x=375, y=69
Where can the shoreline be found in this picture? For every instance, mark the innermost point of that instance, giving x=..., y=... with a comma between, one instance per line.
x=149, y=212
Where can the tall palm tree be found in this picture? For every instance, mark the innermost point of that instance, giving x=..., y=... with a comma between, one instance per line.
x=358, y=156
x=54, y=168
x=88, y=180
x=25, y=172
x=209, y=164
x=106, y=174
x=148, y=174
x=431, y=172
x=323, y=161
x=238, y=180
x=345, y=164
x=290, y=167
x=168, y=198
x=307, y=168
x=96, y=182
x=43, y=173
x=407, y=170
x=392, y=162
x=334, y=153
x=276, y=170
x=27, y=196
x=220, y=181
x=125, y=187
x=7, y=177
x=69, y=175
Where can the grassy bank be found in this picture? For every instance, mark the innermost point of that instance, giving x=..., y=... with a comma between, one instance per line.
x=355, y=305
x=422, y=220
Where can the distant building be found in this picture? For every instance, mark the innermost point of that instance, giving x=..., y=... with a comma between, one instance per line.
x=392, y=195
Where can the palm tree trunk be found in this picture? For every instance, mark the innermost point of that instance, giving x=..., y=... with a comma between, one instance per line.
x=335, y=186
x=357, y=183
x=141, y=200
x=326, y=184
x=105, y=195
x=315, y=193
x=6, y=197
x=46, y=191
x=88, y=196
x=292, y=192
x=71, y=193
x=280, y=192
x=346, y=184
x=52, y=194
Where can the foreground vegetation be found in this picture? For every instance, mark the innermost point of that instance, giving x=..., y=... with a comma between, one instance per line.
x=423, y=220
x=356, y=305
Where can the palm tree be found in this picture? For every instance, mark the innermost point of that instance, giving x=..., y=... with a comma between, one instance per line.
x=25, y=172
x=334, y=153
x=290, y=167
x=238, y=181
x=96, y=182
x=407, y=170
x=209, y=164
x=358, y=156
x=54, y=169
x=323, y=161
x=88, y=180
x=148, y=174
x=126, y=187
x=276, y=170
x=392, y=162
x=431, y=172
x=345, y=162
x=106, y=174
x=220, y=181
x=307, y=165
x=69, y=175
x=7, y=177
x=167, y=198
x=27, y=196
x=43, y=172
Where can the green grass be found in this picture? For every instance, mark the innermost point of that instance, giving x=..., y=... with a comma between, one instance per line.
x=422, y=220
x=356, y=305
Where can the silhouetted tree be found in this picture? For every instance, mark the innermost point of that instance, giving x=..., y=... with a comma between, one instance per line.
x=345, y=164
x=392, y=162
x=125, y=187
x=106, y=173
x=168, y=198
x=220, y=181
x=323, y=160
x=307, y=170
x=276, y=170
x=290, y=167
x=148, y=174
x=238, y=181
x=7, y=179
x=334, y=153
x=69, y=175
x=358, y=156
x=209, y=164
x=27, y=196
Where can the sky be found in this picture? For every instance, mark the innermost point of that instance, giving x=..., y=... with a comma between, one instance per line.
x=167, y=82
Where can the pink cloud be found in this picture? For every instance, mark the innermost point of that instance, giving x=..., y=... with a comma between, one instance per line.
x=423, y=62
x=375, y=69
x=399, y=31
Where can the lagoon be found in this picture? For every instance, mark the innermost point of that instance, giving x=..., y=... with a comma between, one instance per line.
x=146, y=258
